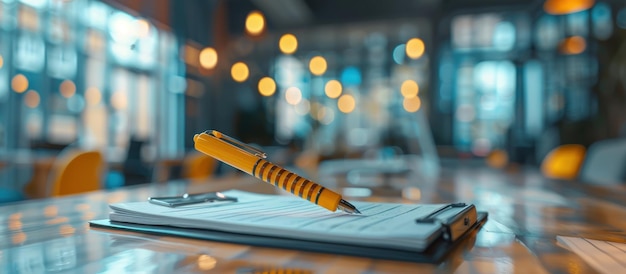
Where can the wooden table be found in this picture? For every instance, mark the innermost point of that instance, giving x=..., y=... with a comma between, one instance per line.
x=526, y=213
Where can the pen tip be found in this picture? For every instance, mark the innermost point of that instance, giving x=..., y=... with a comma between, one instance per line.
x=347, y=207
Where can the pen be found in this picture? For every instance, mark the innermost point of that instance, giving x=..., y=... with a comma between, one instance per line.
x=252, y=161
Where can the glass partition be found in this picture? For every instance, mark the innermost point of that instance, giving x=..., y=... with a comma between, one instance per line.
x=83, y=73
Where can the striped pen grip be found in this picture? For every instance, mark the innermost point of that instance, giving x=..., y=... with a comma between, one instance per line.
x=297, y=185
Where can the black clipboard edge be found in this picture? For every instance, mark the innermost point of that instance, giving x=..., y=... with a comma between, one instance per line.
x=434, y=254
x=456, y=225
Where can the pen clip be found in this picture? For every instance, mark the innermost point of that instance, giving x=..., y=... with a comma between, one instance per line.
x=248, y=148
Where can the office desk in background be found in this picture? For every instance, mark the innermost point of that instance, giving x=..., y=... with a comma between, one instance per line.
x=526, y=213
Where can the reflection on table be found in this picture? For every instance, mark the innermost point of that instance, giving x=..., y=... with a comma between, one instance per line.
x=526, y=213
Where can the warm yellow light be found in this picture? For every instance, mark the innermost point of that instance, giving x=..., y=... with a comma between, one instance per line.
x=498, y=158
x=57, y=220
x=255, y=23
x=67, y=88
x=293, y=95
x=317, y=65
x=267, y=86
x=409, y=89
x=66, y=230
x=15, y=216
x=206, y=262
x=119, y=101
x=333, y=89
x=93, y=96
x=51, y=211
x=32, y=99
x=288, y=43
x=412, y=104
x=19, y=83
x=239, y=71
x=560, y=7
x=573, y=45
x=82, y=207
x=15, y=224
x=143, y=28
x=19, y=238
x=208, y=58
x=1, y=61
x=192, y=55
x=346, y=103
x=415, y=48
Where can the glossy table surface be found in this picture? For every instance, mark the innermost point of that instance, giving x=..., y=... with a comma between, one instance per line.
x=526, y=213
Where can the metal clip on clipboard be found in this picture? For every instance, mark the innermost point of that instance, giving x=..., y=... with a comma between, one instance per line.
x=453, y=226
x=188, y=199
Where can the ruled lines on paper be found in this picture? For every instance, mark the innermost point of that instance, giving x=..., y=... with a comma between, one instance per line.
x=603, y=256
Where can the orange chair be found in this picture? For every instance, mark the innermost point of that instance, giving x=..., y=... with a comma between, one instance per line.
x=198, y=166
x=76, y=171
x=563, y=162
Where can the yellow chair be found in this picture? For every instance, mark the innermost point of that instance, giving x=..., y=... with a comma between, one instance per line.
x=563, y=162
x=76, y=171
x=198, y=166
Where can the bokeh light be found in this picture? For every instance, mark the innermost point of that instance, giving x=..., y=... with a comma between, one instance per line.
x=267, y=86
x=412, y=104
x=76, y=103
x=208, y=58
x=346, y=103
x=67, y=88
x=32, y=99
x=333, y=89
x=93, y=96
x=19, y=238
x=19, y=83
x=314, y=110
x=409, y=89
x=1, y=61
x=498, y=158
x=288, y=43
x=143, y=28
x=398, y=54
x=317, y=65
x=255, y=23
x=119, y=100
x=351, y=76
x=329, y=116
x=206, y=262
x=560, y=7
x=239, y=71
x=293, y=95
x=66, y=230
x=415, y=48
x=573, y=45
x=303, y=108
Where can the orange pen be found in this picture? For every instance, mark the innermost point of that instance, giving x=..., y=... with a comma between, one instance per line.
x=252, y=161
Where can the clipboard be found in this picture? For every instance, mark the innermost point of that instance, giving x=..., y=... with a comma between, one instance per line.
x=436, y=253
x=455, y=223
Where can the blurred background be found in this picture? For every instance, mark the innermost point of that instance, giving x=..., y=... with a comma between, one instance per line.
x=326, y=87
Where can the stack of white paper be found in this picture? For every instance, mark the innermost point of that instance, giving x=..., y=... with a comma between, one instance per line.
x=381, y=224
x=605, y=257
